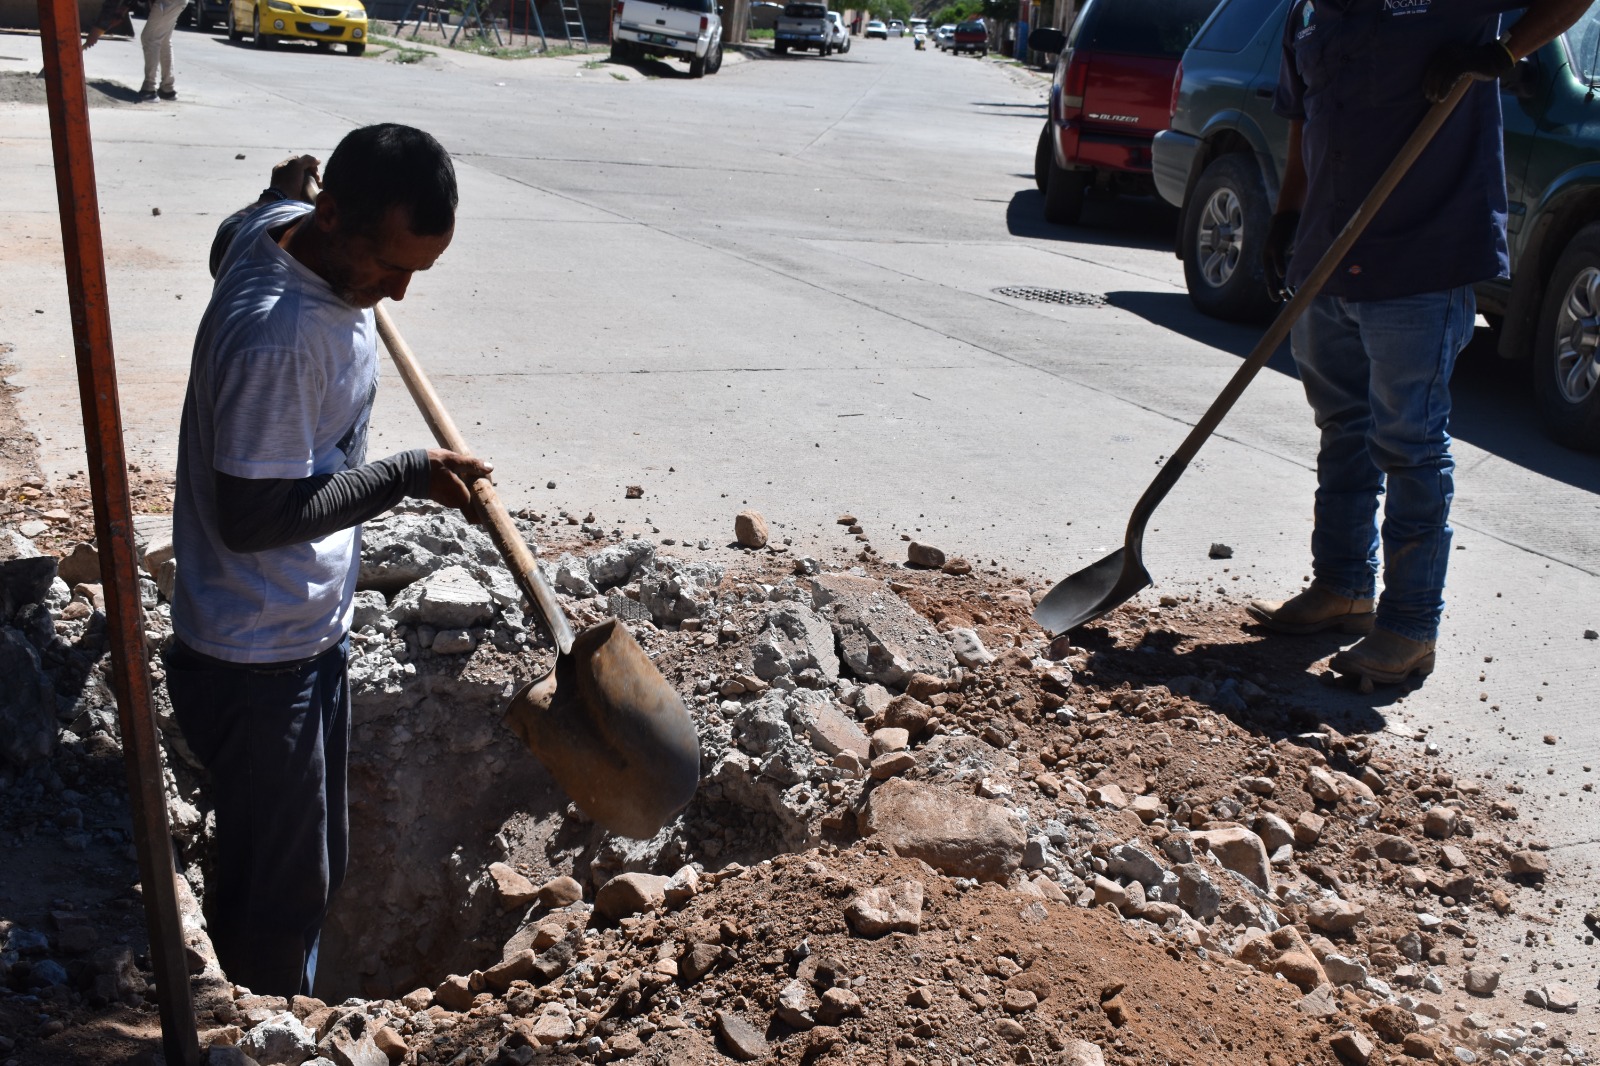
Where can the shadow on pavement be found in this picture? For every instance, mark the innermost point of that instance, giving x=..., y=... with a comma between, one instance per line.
x=1220, y=674
x=1116, y=221
x=1494, y=404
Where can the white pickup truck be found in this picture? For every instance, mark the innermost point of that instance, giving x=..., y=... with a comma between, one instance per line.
x=679, y=29
x=803, y=25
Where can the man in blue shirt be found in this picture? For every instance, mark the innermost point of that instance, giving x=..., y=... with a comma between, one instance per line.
x=1376, y=347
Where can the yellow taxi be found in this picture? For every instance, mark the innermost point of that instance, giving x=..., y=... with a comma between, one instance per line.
x=328, y=22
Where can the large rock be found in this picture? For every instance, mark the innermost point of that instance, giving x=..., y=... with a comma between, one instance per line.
x=880, y=637
x=1239, y=850
x=27, y=704
x=886, y=909
x=796, y=638
x=80, y=566
x=349, y=1042
x=750, y=529
x=1335, y=916
x=25, y=573
x=957, y=833
x=630, y=893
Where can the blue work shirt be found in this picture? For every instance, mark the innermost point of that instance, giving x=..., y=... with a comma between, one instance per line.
x=1352, y=71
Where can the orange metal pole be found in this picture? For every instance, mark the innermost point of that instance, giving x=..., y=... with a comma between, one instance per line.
x=113, y=518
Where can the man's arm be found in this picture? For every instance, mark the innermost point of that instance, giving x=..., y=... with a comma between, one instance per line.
x=258, y=514
x=1540, y=24
x=111, y=12
x=288, y=182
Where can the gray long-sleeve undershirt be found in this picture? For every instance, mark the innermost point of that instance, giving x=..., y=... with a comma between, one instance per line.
x=257, y=514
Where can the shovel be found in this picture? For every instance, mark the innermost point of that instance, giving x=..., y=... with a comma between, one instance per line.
x=1100, y=588
x=603, y=721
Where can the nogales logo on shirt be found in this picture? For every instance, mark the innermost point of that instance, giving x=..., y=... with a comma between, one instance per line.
x=1307, y=10
x=1406, y=7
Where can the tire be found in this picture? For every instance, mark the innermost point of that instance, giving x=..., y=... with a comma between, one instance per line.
x=357, y=50
x=619, y=51
x=1041, y=159
x=260, y=39
x=1566, y=372
x=697, y=66
x=233, y=26
x=825, y=51
x=714, y=59
x=1063, y=193
x=1225, y=224
x=780, y=49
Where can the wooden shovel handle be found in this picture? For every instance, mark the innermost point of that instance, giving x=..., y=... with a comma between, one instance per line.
x=502, y=530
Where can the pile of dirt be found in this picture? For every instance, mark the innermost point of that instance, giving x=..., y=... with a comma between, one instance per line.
x=925, y=833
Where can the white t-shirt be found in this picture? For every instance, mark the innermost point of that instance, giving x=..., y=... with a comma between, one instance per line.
x=281, y=386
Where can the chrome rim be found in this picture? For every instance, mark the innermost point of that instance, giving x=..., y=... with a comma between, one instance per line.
x=1577, y=337
x=1221, y=237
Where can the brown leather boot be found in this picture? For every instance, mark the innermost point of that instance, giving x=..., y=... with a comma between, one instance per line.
x=1314, y=611
x=1386, y=658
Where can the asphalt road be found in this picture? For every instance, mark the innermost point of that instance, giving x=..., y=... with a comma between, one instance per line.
x=776, y=287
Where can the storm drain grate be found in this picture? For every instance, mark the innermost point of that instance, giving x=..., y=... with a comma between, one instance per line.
x=1052, y=296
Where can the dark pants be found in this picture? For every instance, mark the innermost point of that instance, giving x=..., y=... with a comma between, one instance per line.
x=275, y=740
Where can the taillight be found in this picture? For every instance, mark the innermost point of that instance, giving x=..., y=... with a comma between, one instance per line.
x=1073, y=85
x=1177, y=88
x=705, y=23
x=616, y=13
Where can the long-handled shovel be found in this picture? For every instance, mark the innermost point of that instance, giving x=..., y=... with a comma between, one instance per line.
x=603, y=721
x=1100, y=588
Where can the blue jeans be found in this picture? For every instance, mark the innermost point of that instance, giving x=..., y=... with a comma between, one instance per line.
x=274, y=739
x=1377, y=375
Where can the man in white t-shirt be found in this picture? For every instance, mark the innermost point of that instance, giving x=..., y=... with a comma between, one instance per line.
x=272, y=486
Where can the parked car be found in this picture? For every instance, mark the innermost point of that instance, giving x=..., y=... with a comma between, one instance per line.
x=690, y=30
x=1111, y=93
x=944, y=35
x=1222, y=159
x=327, y=22
x=970, y=37
x=897, y=28
x=803, y=27
x=841, y=32
x=877, y=29
x=204, y=14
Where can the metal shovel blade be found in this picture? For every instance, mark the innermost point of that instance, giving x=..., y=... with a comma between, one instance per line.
x=1094, y=591
x=612, y=732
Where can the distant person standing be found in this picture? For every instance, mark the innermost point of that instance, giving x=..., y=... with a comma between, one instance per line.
x=156, y=40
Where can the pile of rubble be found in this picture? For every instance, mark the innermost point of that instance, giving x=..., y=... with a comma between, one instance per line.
x=924, y=833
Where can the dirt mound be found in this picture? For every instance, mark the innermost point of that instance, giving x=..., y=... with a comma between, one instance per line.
x=925, y=833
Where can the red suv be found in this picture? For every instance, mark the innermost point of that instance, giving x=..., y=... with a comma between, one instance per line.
x=1111, y=95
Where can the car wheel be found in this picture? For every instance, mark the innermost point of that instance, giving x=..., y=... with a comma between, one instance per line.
x=620, y=52
x=1566, y=357
x=714, y=59
x=1063, y=194
x=697, y=67
x=357, y=50
x=1227, y=219
x=261, y=40
x=1041, y=160
x=780, y=49
x=233, y=26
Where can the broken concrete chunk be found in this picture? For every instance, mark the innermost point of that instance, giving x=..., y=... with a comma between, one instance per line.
x=795, y=638
x=880, y=637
